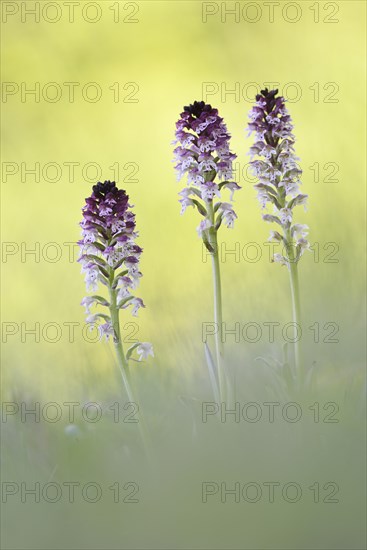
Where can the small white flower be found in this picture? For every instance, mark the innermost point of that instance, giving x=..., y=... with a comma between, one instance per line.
x=135, y=279
x=123, y=293
x=232, y=186
x=208, y=190
x=144, y=350
x=300, y=200
x=133, y=268
x=185, y=203
x=203, y=226
x=275, y=236
x=303, y=245
x=137, y=303
x=188, y=139
x=87, y=303
x=202, y=126
x=106, y=330
x=105, y=210
x=117, y=225
x=91, y=277
x=268, y=151
x=280, y=259
x=207, y=165
x=206, y=145
x=270, y=218
x=195, y=177
x=300, y=230
x=89, y=235
x=285, y=215
x=229, y=214
x=188, y=163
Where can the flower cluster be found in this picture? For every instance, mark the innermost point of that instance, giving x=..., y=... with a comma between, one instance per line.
x=109, y=255
x=277, y=170
x=203, y=154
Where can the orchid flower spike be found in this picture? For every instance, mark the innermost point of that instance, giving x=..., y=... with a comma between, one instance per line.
x=109, y=255
x=278, y=172
x=203, y=155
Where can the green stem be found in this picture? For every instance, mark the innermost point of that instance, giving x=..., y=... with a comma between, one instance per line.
x=218, y=318
x=296, y=305
x=296, y=310
x=121, y=359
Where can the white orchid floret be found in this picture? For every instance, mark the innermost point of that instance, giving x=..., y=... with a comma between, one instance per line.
x=91, y=276
x=270, y=218
x=113, y=254
x=275, y=236
x=263, y=194
x=106, y=330
x=187, y=192
x=302, y=245
x=285, y=215
x=291, y=187
x=195, y=178
x=203, y=226
x=232, y=186
x=299, y=200
x=185, y=203
x=89, y=235
x=187, y=139
x=225, y=170
x=117, y=225
x=228, y=214
x=279, y=258
x=268, y=151
x=207, y=165
x=144, y=349
x=135, y=279
x=123, y=293
x=206, y=144
x=87, y=302
x=299, y=230
x=136, y=304
x=208, y=190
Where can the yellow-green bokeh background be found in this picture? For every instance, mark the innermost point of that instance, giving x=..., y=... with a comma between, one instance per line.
x=170, y=53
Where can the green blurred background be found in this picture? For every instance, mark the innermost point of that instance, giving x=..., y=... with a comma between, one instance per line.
x=169, y=54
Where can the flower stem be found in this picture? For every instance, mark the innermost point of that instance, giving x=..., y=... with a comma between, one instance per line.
x=123, y=363
x=218, y=319
x=296, y=310
x=121, y=359
x=296, y=305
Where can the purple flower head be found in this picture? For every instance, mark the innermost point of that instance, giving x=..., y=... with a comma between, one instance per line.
x=108, y=241
x=274, y=163
x=110, y=255
x=109, y=224
x=204, y=156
